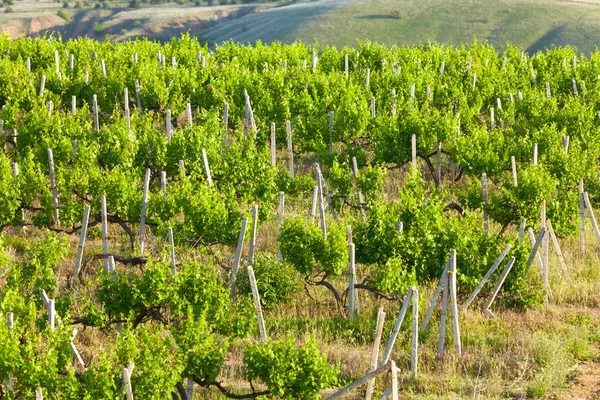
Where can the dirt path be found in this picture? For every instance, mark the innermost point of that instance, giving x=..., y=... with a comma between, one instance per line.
x=586, y=386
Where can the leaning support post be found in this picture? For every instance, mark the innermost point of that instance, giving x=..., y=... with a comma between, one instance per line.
x=84, y=226
x=559, y=254
x=144, y=208
x=453, y=303
x=256, y=296
x=237, y=259
x=488, y=303
x=252, y=245
x=375, y=352
x=441, y=285
x=487, y=276
x=392, y=340
x=351, y=280
x=414, y=345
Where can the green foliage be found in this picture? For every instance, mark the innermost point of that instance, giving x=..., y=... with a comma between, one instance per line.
x=289, y=371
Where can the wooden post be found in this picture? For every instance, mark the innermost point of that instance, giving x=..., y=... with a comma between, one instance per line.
x=181, y=167
x=373, y=112
x=535, y=248
x=163, y=183
x=252, y=245
x=438, y=161
x=171, y=248
x=237, y=259
x=73, y=105
x=565, y=142
x=190, y=388
x=111, y=266
x=57, y=63
x=488, y=304
x=330, y=132
x=104, y=230
x=138, y=97
x=453, y=303
x=484, y=189
x=28, y=64
x=321, y=203
x=206, y=168
x=281, y=213
x=51, y=314
x=42, y=85
x=392, y=340
x=545, y=248
x=127, y=113
x=414, y=348
x=74, y=350
x=168, y=126
x=127, y=381
x=474, y=81
x=10, y=325
x=522, y=230
x=71, y=61
x=38, y=393
x=226, y=116
x=144, y=207
x=95, y=111
x=581, y=218
x=351, y=280
x=361, y=200
x=55, y=205
x=588, y=205
x=84, y=226
x=443, y=318
x=367, y=378
x=547, y=89
x=290, y=149
x=256, y=296
x=367, y=77
x=513, y=166
x=375, y=352
x=487, y=276
x=273, y=146
x=346, y=65
x=438, y=290
x=313, y=205
x=574, y=82
x=492, y=119
x=103, y=67
x=559, y=254
x=535, y=154
x=394, y=381
x=414, y=151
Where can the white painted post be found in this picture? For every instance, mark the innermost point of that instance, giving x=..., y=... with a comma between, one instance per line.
x=42, y=85
x=95, y=111
x=313, y=205
x=453, y=303
x=87, y=77
x=351, y=280
x=513, y=166
x=574, y=87
x=330, y=132
x=488, y=304
x=163, y=183
x=55, y=204
x=321, y=203
x=75, y=351
x=104, y=230
x=168, y=126
x=188, y=109
x=487, y=276
x=252, y=246
x=290, y=149
x=484, y=189
x=171, y=248
x=144, y=207
x=206, y=168
x=474, y=81
x=392, y=340
x=438, y=290
x=273, y=145
x=237, y=259
x=414, y=346
x=412, y=94
x=73, y=105
x=535, y=154
x=84, y=226
x=520, y=97
x=581, y=217
x=138, y=97
x=256, y=296
x=375, y=352
x=499, y=103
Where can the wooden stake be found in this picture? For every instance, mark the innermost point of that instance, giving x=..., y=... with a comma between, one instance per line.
x=581, y=217
x=206, y=168
x=513, y=165
x=127, y=383
x=38, y=393
x=237, y=259
x=313, y=205
x=168, y=126
x=290, y=149
x=103, y=68
x=392, y=340
x=42, y=85
x=414, y=151
x=163, y=183
x=361, y=199
x=487, y=276
x=346, y=65
x=545, y=248
x=492, y=119
x=414, y=348
x=138, y=97
x=95, y=111
x=443, y=318
x=171, y=248
x=73, y=105
x=438, y=290
x=453, y=303
x=84, y=226
x=484, y=189
x=127, y=113
x=375, y=352
x=255, y=295
x=488, y=304
x=51, y=314
x=273, y=146
x=57, y=63
x=321, y=203
x=394, y=381
x=367, y=378
x=373, y=112
x=535, y=248
x=438, y=161
x=351, y=280
x=281, y=213
x=145, y=191
x=522, y=230
x=588, y=204
x=104, y=230
x=547, y=90
x=252, y=245
x=190, y=388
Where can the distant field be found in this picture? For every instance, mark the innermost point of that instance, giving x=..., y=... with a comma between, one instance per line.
x=531, y=24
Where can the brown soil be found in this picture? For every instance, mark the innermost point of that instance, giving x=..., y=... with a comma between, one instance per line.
x=586, y=386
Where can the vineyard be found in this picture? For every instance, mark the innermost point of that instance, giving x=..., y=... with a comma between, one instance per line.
x=286, y=221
